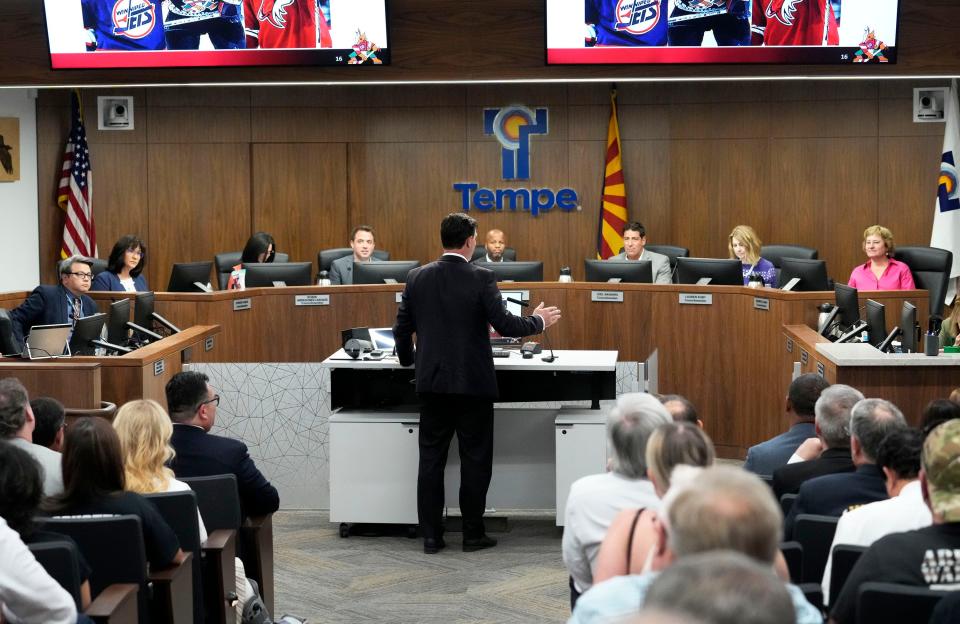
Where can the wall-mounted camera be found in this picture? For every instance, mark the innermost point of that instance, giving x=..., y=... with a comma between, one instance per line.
x=115, y=112
x=928, y=103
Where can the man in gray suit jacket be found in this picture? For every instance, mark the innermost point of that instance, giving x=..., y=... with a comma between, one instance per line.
x=363, y=244
x=634, y=241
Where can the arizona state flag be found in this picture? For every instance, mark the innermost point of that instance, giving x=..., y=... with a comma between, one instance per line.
x=613, y=206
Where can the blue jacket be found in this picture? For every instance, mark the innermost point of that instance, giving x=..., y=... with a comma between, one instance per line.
x=767, y=456
x=46, y=305
x=108, y=280
x=833, y=494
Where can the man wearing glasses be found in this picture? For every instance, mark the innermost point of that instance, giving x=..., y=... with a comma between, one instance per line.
x=65, y=303
x=192, y=404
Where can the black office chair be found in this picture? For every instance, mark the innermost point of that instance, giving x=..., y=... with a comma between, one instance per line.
x=890, y=603
x=97, y=266
x=179, y=510
x=776, y=253
x=671, y=251
x=326, y=256
x=793, y=556
x=224, y=263
x=509, y=253
x=930, y=267
x=815, y=533
x=845, y=556
x=8, y=342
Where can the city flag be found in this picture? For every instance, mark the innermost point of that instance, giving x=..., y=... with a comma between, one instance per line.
x=613, y=206
x=75, y=192
x=946, y=213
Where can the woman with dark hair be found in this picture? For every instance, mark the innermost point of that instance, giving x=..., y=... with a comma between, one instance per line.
x=93, y=484
x=125, y=267
x=259, y=248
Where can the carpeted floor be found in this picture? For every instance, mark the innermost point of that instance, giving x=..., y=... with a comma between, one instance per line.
x=326, y=578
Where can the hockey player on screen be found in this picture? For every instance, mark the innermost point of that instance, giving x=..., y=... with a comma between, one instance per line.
x=187, y=20
x=285, y=24
x=797, y=22
x=728, y=19
x=626, y=22
x=123, y=24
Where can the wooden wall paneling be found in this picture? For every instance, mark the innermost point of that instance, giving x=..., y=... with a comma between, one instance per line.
x=121, y=196
x=586, y=177
x=907, y=186
x=646, y=169
x=75, y=384
x=199, y=203
x=300, y=196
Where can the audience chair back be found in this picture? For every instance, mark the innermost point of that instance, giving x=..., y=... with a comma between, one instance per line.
x=845, y=556
x=890, y=603
x=671, y=251
x=931, y=271
x=97, y=266
x=815, y=534
x=813, y=592
x=179, y=510
x=793, y=556
x=509, y=253
x=326, y=256
x=218, y=499
x=61, y=561
x=786, y=503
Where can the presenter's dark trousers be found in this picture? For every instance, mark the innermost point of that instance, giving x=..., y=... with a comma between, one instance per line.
x=471, y=418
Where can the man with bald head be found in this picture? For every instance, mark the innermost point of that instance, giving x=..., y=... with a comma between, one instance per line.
x=495, y=246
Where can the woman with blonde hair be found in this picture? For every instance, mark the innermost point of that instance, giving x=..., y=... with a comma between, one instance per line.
x=880, y=271
x=744, y=244
x=950, y=329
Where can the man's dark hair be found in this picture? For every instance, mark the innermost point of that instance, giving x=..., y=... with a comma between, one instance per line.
x=21, y=488
x=185, y=391
x=635, y=226
x=13, y=406
x=92, y=463
x=938, y=412
x=900, y=452
x=362, y=228
x=455, y=229
x=689, y=413
x=804, y=392
x=49, y=414
x=127, y=243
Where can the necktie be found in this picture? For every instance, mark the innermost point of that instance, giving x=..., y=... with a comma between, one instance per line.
x=76, y=309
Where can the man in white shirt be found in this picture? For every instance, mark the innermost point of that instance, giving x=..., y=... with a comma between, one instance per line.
x=16, y=426
x=899, y=458
x=27, y=592
x=634, y=248
x=595, y=500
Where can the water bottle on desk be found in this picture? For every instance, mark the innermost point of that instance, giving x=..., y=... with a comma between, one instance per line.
x=565, y=275
x=323, y=279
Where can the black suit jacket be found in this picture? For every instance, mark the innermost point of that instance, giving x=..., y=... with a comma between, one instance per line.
x=833, y=494
x=788, y=479
x=46, y=305
x=202, y=454
x=448, y=304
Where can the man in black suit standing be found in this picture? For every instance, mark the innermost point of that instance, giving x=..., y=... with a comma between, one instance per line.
x=448, y=304
x=64, y=303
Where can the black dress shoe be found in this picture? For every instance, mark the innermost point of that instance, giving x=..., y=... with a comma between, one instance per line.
x=478, y=543
x=432, y=546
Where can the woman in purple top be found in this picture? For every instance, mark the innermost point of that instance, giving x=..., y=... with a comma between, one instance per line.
x=744, y=244
x=880, y=271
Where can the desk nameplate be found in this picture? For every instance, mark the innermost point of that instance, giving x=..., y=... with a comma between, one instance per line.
x=761, y=303
x=311, y=300
x=696, y=298
x=804, y=357
x=608, y=296
x=789, y=345
x=208, y=344
x=242, y=304
x=159, y=367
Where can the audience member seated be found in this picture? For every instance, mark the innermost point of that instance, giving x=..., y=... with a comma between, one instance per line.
x=802, y=395
x=744, y=245
x=829, y=452
x=193, y=409
x=899, y=459
x=719, y=508
x=94, y=484
x=950, y=329
x=880, y=271
x=21, y=491
x=495, y=245
x=595, y=500
x=64, y=303
x=363, y=244
x=632, y=535
x=924, y=557
x=124, y=267
x=947, y=610
x=938, y=412
x=49, y=422
x=722, y=587
x=634, y=248
x=681, y=409
x=16, y=426
x=955, y=396
x=259, y=248
x=871, y=420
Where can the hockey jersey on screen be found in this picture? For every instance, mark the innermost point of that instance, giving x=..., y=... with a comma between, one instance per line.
x=124, y=24
x=285, y=24
x=799, y=22
x=628, y=22
x=182, y=12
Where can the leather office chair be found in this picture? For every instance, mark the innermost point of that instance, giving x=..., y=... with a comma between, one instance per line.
x=815, y=533
x=8, y=343
x=931, y=271
x=97, y=266
x=845, y=556
x=326, y=256
x=509, y=253
x=224, y=263
x=673, y=252
x=890, y=603
x=776, y=253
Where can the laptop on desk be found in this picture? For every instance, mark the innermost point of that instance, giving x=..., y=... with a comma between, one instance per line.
x=48, y=341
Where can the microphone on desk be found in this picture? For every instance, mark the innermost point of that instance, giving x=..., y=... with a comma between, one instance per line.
x=552, y=356
x=523, y=304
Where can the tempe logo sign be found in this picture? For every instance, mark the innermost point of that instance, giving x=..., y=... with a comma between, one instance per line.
x=513, y=126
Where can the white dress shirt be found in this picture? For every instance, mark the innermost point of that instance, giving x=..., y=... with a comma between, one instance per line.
x=27, y=592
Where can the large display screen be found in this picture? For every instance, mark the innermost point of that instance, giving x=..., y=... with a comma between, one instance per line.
x=721, y=31
x=215, y=33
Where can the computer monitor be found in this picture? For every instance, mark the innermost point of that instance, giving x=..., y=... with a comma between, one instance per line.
x=524, y=271
x=260, y=274
x=382, y=338
x=184, y=276
x=908, y=328
x=639, y=272
x=848, y=304
x=812, y=274
x=876, y=323
x=117, y=331
x=8, y=342
x=85, y=330
x=722, y=272
x=143, y=310
x=380, y=272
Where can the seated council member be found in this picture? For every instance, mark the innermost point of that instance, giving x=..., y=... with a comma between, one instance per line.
x=259, y=248
x=495, y=245
x=634, y=248
x=64, y=303
x=125, y=267
x=880, y=271
x=744, y=244
x=362, y=242
x=950, y=329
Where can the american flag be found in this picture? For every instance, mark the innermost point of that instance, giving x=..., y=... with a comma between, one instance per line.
x=75, y=193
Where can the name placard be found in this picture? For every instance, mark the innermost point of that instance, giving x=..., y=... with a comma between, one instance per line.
x=761, y=303
x=311, y=300
x=399, y=297
x=696, y=298
x=820, y=369
x=242, y=304
x=208, y=344
x=804, y=357
x=789, y=345
x=608, y=296
x=158, y=367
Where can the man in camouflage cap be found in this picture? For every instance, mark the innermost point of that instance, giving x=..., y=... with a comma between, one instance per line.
x=927, y=557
